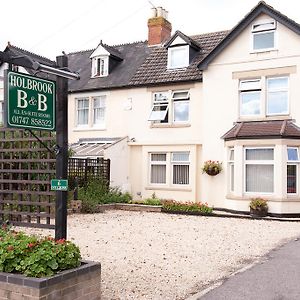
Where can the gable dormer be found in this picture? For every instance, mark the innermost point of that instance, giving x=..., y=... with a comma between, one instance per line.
x=181, y=50
x=104, y=59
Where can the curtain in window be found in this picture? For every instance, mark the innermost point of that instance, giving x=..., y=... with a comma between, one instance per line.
x=181, y=174
x=260, y=178
x=99, y=110
x=82, y=111
x=158, y=174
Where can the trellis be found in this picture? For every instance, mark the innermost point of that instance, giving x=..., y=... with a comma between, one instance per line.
x=26, y=169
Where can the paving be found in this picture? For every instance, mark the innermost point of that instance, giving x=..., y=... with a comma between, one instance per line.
x=276, y=277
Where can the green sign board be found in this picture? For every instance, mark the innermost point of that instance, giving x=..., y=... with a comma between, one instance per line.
x=59, y=185
x=29, y=102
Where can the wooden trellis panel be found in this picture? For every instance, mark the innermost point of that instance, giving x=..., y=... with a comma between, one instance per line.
x=26, y=168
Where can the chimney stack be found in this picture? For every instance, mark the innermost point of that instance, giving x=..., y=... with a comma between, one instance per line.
x=159, y=28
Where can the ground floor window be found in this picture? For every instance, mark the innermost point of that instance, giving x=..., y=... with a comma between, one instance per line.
x=173, y=165
x=231, y=169
x=259, y=170
x=292, y=169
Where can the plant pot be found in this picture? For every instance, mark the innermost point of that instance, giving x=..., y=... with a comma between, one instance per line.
x=212, y=172
x=258, y=213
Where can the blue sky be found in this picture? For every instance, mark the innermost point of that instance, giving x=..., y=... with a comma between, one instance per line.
x=65, y=25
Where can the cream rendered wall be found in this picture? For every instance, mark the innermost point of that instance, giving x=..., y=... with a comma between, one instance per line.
x=221, y=102
x=127, y=113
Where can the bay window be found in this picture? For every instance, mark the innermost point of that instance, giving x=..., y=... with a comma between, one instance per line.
x=231, y=169
x=259, y=170
x=292, y=170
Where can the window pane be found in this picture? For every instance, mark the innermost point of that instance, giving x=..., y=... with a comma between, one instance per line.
x=260, y=178
x=158, y=157
x=181, y=111
x=180, y=95
x=181, y=174
x=264, y=26
x=263, y=40
x=291, y=179
x=181, y=156
x=277, y=103
x=250, y=103
x=82, y=111
x=250, y=85
x=83, y=103
x=280, y=83
x=99, y=110
x=231, y=154
x=292, y=154
x=159, y=113
x=231, y=169
x=158, y=174
x=178, y=57
x=259, y=154
x=160, y=97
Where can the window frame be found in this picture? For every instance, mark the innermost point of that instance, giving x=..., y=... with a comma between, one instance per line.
x=158, y=163
x=292, y=163
x=99, y=66
x=271, y=29
x=180, y=163
x=277, y=90
x=103, y=107
x=230, y=169
x=185, y=99
x=257, y=162
x=172, y=50
x=85, y=125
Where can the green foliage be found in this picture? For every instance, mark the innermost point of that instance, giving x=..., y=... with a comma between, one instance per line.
x=153, y=200
x=98, y=192
x=34, y=257
x=171, y=205
x=258, y=204
x=212, y=167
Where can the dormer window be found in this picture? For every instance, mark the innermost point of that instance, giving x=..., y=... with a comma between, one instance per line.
x=100, y=66
x=263, y=35
x=178, y=57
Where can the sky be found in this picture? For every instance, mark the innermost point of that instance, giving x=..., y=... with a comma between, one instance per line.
x=49, y=27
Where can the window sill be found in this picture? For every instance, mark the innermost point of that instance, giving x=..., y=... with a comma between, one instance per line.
x=264, y=51
x=79, y=129
x=264, y=118
x=230, y=196
x=165, y=188
x=168, y=125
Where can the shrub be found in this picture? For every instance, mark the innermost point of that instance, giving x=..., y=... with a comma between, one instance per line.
x=98, y=192
x=35, y=257
x=171, y=205
x=153, y=200
x=212, y=167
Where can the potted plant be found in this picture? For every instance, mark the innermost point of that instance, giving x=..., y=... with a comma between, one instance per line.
x=258, y=207
x=212, y=167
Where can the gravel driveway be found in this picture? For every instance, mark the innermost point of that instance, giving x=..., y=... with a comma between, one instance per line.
x=161, y=256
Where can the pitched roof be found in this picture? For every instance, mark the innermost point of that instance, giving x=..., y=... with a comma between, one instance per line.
x=132, y=54
x=19, y=52
x=263, y=130
x=184, y=37
x=154, y=69
x=260, y=8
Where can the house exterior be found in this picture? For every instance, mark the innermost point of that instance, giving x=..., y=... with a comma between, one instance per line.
x=159, y=109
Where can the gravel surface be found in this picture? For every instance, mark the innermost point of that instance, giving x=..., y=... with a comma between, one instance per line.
x=162, y=256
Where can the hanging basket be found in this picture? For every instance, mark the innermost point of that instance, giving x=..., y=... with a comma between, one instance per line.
x=212, y=172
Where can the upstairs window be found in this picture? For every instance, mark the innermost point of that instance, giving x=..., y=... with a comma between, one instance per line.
x=263, y=35
x=250, y=97
x=100, y=66
x=170, y=107
x=277, y=96
x=178, y=57
x=99, y=110
x=82, y=111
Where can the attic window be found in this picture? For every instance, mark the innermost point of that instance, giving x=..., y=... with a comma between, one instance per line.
x=263, y=35
x=100, y=66
x=178, y=57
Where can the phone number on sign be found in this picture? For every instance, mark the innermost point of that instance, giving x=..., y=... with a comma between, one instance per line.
x=31, y=121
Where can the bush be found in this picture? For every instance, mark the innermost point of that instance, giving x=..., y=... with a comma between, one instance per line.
x=34, y=257
x=258, y=204
x=171, y=205
x=153, y=200
x=98, y=192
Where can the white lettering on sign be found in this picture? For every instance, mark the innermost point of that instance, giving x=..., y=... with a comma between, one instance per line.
x=22, y=101
x=27, y=83
x=42, y=99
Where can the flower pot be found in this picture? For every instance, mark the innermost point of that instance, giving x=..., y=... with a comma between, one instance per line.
x=212, y=172
x=258, y=213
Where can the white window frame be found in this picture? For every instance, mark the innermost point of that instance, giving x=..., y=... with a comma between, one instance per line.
x=272, y=28
x=277, y=90
x=172, y=50
x=180, y=163
x=258, y=162
x=169, y=163
x=81, y=109
x=158, y=163
x=230, y=169
x=167, y=101
x=99, y=66
x=293, y=163
x=101, y=107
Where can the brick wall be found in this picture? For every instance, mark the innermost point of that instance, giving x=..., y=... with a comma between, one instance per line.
x=82, y=283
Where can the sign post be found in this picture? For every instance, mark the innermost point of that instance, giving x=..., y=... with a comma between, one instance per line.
x=30, y=102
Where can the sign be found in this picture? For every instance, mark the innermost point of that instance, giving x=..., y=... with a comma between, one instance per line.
x=29, y=102
x=59, y=185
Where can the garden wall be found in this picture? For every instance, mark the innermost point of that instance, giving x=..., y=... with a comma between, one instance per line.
x=82, y=283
